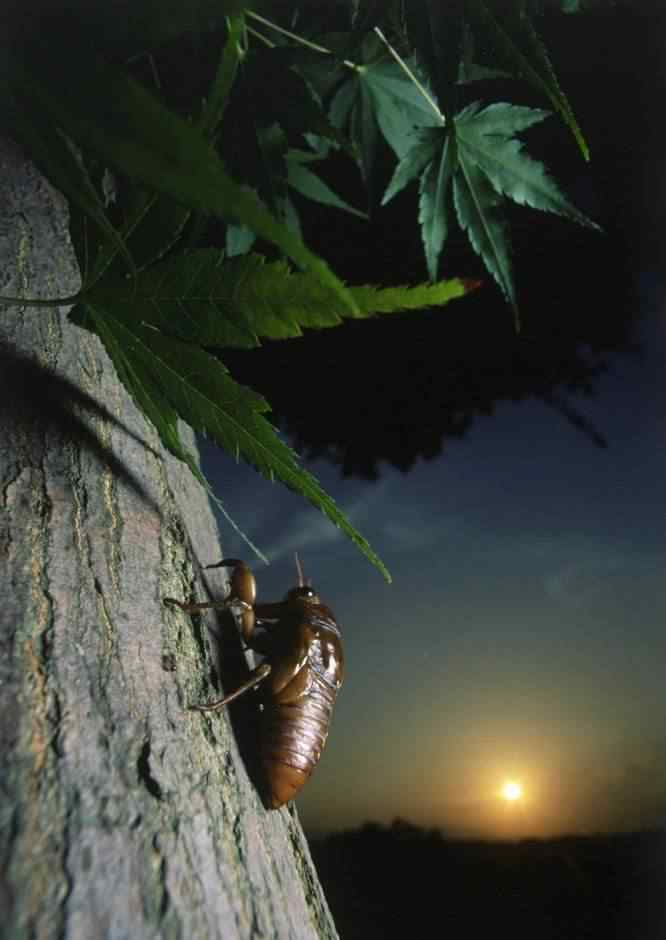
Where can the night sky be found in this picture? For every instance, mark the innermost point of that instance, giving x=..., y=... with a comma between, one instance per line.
x=523, y=635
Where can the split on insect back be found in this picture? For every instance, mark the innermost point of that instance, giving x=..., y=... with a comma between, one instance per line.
x=299, y=677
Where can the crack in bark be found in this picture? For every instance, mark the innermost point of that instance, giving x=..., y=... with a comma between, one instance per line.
x=144, y=772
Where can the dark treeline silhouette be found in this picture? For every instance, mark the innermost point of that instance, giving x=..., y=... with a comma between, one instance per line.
x=396, y=389
x=403, y=881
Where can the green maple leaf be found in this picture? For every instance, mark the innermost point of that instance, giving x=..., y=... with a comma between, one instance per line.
x=308, y=184
x=155, y=327
x=203, y=299
x=518, y=46
x=434, y=189
x=477, y=162
x=376, y=97
x=477, y=208
x=144, y=140
x=170, y=379
x=484, y=138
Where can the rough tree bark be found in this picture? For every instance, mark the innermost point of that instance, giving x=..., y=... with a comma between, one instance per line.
x=123, y=814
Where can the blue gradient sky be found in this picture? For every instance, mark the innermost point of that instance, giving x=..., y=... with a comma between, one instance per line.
x=524, y=633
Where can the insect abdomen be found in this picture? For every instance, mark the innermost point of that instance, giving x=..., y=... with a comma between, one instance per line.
x=294, y=737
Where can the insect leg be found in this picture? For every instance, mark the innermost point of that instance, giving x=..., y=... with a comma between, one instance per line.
x=242, y=588
x=228, y=563
x=242, y=594
x=242, y=611
x=256, y=676
x=220, y=605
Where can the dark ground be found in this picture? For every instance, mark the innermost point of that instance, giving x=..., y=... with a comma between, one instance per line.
x=402, y=881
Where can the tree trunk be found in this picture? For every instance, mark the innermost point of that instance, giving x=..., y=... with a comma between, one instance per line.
x=123, y=813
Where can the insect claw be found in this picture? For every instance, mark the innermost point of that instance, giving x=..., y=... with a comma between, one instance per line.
x=226, y=563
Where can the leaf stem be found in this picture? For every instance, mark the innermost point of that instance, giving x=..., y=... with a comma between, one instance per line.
x=299, y=39
x=40, y=302
x=260, y=36
x=412, y=77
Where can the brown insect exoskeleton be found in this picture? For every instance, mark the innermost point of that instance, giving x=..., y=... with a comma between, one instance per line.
x=301, y=674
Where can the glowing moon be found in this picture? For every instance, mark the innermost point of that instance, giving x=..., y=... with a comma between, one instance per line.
x=511, y=791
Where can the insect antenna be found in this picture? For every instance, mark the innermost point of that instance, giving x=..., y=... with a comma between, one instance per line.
x=301, y=581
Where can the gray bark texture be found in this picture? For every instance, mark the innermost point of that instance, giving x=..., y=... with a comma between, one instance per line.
x=122, y=813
